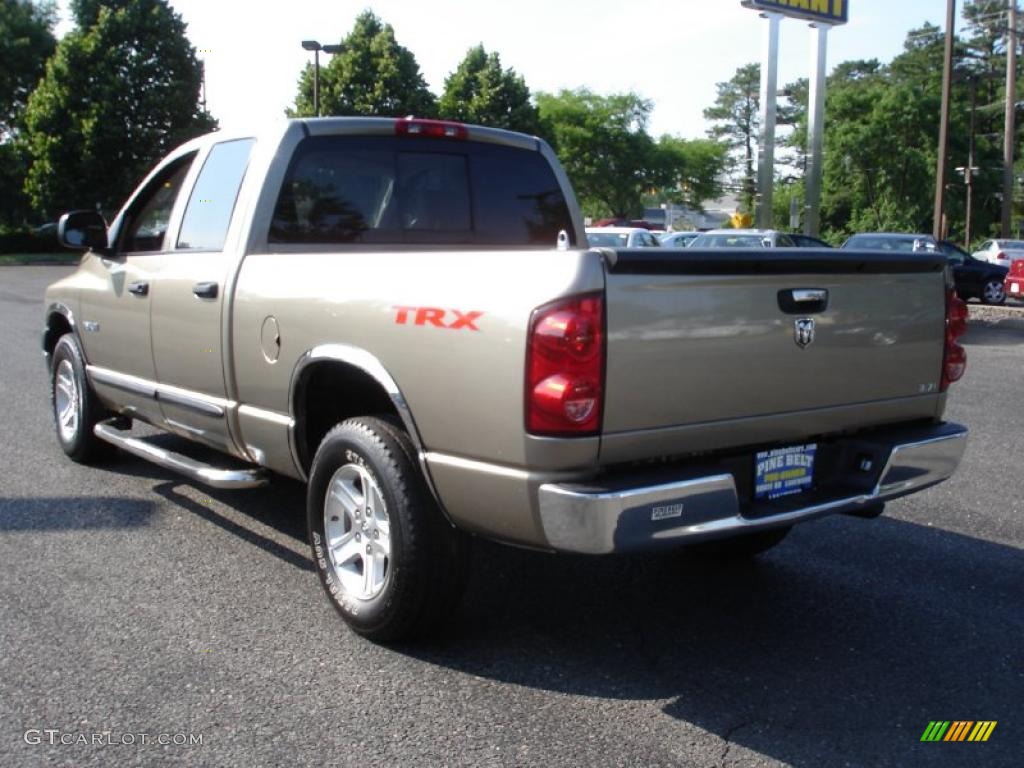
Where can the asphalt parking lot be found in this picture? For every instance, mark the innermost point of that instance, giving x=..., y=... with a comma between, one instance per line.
x=134, y=603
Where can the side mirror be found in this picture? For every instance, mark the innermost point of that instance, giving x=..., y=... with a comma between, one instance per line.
x=82, y=230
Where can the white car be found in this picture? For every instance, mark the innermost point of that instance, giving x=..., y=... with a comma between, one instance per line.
x=621, y=237
x=678, y=239
x=1001, y=252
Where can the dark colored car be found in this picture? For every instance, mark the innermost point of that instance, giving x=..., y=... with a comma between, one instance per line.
x=806, y=241
x=975, y=279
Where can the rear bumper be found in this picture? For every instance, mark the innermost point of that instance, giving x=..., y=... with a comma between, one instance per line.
x=621, y=517
x=1014, y=287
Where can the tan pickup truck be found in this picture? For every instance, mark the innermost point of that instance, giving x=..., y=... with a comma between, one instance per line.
x=405, y=315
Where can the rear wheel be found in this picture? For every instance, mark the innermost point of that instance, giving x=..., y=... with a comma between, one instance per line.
x=741, y=547
x=993, y=292
x=390, y=563
x=76, y=410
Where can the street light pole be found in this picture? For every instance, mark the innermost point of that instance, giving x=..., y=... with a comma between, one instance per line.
x=315, y=47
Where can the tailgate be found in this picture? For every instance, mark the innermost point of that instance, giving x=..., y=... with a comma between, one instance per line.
x=732, y=337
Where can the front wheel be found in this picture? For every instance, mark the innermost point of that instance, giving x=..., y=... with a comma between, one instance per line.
x=390, y=563
x=76, y=409
x=993, y=292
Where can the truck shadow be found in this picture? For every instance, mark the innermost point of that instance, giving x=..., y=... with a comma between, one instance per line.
x=838, y=647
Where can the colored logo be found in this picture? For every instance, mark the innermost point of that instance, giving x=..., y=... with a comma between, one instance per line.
x=958, y=730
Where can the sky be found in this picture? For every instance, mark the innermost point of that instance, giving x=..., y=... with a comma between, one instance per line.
x=672, y=52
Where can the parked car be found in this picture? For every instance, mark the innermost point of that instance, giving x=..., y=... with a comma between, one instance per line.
x=405, y=316
x=806, y=241
x=1014, y=283
x=621, y=237
x=891, y=241
x=1000, y=252
x=678, y=239
x=975, y=279
x=743, y=238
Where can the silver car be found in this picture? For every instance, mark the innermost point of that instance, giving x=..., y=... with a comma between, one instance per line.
x=743, y=238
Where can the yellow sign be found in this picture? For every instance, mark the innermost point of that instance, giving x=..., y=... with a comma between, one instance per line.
x=741, y=220
x=828, y=11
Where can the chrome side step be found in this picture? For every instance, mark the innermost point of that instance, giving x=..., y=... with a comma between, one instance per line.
x=176, y=462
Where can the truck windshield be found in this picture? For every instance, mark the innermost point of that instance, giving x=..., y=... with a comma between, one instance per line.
x=384, y=189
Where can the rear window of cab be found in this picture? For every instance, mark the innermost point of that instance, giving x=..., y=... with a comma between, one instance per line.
x=409, y=190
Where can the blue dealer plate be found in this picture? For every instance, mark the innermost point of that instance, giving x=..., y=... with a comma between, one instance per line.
x=783, y=471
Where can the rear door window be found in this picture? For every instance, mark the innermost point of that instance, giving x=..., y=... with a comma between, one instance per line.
x=382, y=189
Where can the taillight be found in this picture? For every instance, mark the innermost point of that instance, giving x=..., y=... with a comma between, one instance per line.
x=1001, y=256
x=1017, y=268
x=954, y=358
x=565, y=367
x=436, y=129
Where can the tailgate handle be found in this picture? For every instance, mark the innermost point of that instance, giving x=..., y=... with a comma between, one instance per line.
x=803, y=301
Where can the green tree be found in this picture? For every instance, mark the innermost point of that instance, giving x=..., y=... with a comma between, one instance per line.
x=692, y=169
x=374, y=76
x=879, y=158
x=119, y=93
x=603, y=143
x=480, y=91
x=792, y=114
x=736, y=120
x=26, y=42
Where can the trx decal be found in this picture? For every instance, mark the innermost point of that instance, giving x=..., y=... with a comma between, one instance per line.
x=451, y=319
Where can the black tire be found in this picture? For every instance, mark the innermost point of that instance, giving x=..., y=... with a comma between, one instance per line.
x=79, y=442
x=993, y=292
x=427, y=561
x=742, y=547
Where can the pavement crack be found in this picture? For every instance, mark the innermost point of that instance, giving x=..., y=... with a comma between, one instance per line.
x=727, y=737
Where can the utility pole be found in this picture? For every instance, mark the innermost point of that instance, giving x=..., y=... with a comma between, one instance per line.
x=969, y=171
x=947, y=84
x=1009, y=129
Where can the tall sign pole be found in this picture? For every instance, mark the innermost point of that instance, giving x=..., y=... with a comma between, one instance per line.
x=938, y=218
x=816, y=127
x=1009, y=129
x=769, y=103
x=823, y=15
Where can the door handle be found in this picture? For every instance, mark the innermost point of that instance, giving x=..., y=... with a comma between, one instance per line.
x=803, y=301
x=205, y=290
x=139, y=288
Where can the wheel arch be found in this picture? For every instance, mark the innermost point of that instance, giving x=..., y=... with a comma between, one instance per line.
x=369, y=390
x=59, y=321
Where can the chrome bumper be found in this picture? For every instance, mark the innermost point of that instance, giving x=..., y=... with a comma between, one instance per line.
x=595, y=521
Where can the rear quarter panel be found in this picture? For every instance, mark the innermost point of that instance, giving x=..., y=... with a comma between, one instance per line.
x=464, y=385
